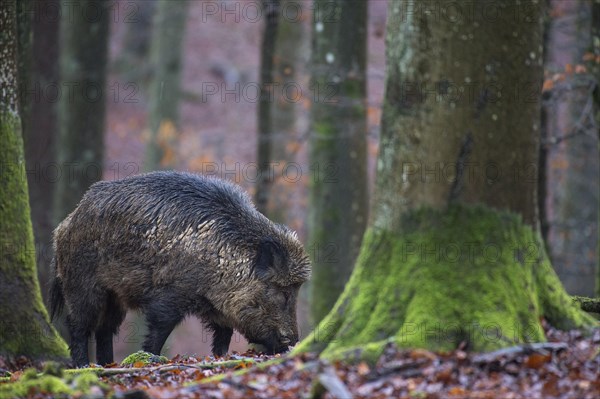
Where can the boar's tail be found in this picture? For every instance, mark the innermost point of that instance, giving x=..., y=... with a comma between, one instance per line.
x=57, y=299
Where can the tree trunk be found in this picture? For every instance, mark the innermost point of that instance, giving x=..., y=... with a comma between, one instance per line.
x=40, y=137
x=24, y=19
x=571, y=147
x=24, y=325
x=271, y=10
x=165, y=54
x=82, y=105
x=453, y=257
x=338, y=187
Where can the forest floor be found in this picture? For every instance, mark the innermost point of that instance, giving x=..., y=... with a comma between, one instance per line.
x=567, y=366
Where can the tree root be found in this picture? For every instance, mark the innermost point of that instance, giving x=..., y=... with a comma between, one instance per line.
x=588, y=304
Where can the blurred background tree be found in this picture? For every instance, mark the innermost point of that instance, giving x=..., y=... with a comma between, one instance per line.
x=133, y=62
x=82, y=104
x=40, y=128
x=338, y=152
x=266, y=134
x=165, y=92
x=570, y=186
x=289, y=66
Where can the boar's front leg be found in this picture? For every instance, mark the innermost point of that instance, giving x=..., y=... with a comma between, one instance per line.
x=162, y=317
x=221, y=339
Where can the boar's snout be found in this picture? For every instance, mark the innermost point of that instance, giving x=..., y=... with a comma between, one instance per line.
x=286, y=340
x=278, y=342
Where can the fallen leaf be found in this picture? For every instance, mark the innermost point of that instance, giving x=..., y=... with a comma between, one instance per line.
x=363, y=369
x=548, y=85
x=537, y=360
x=569, y=69
x=457, y=391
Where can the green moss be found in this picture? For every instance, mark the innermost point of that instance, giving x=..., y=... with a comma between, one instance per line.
x=144, y=357
x=33, y=382
x=25, y=328
x=84, y=381
x=45, y=384
x=468, y=276
x=54, y=368
x=30, y=382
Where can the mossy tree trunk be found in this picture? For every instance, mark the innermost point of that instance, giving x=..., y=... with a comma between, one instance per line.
x=338, y=186
x=24, y=46
x=82, y=105
x=453, y=255
x=40, y=137
x=164, y=91
x=24, y=325
x=571, y=150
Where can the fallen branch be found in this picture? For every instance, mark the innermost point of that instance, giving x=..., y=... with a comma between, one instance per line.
x=102, y=372
x=328, y=381
x=402, y=368
x=518, y=350
x=588, y=304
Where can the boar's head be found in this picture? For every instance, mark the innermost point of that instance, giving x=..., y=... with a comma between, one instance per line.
x=267, y=315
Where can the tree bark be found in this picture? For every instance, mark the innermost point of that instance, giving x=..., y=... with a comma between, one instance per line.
x=571, y=147
x=453, y=256
x=24, y=19
x=24, y=325
x=40, y=137
x=338, y=187
x=166, y=60
x=82, y=105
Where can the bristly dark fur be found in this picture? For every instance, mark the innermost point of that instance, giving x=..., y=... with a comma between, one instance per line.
x=57, y=300
x=173, y=244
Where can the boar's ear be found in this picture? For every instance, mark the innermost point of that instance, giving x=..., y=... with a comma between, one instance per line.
x=270, y=260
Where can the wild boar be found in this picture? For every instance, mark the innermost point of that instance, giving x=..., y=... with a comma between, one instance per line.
x=173, y=244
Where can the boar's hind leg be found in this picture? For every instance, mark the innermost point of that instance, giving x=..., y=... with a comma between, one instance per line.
x=79, y=341
x=114, y=315
x=85, y=306
x=221, y=339
x=162, y=316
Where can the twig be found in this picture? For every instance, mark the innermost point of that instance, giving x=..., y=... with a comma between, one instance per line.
x=578, y=128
